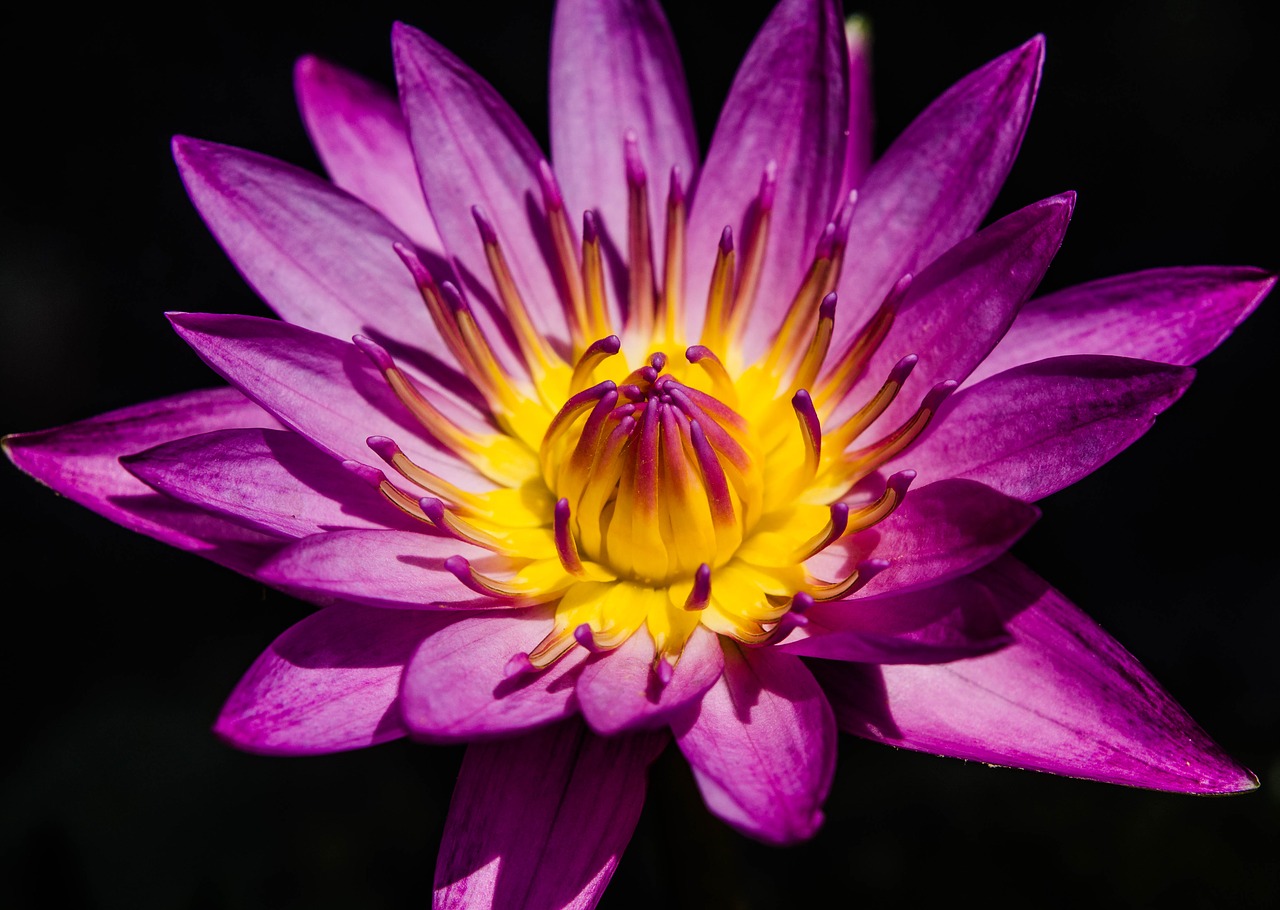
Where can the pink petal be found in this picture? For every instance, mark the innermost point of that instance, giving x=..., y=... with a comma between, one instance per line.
x=935, y=183
x=615, y=67
x=271, y=480
x=457, y=689
x=359, y=133
x=323, y=388
x=942, y=623
x=472, y=149
x=328, y=684
x=957, y=309
x=941, y=531
x=1171, y=315
x=1038, y=428
x=788, y=104
x=396, y=569
x=320, y=258
x=81, y=461
x=619, y=690
x=1064, y=698
x=762, y=745
x=539, y=822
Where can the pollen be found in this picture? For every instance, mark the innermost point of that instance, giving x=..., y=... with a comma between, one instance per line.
x=643, y=477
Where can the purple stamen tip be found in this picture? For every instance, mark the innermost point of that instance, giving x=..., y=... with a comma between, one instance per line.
x=433, y=508
x=590, y=230
x=939, y=393
x=518, y=664
x=900, y=481
x=839, y=518
x=827, y=309
x=631, y=390
x=726, y=240
x=367, y=473
x=631, y=157
x=768, y=185
x=664, y=671
x=700, y=593
x=826, y=242
x=421, y=277
x=801, y=603
x=552, y=199
x=584, y=637
x=658, y=361
x=452, y=296
x=697, y=352
x=562, y=510
x=610, y=344
x=676, y=190
x=870, y=568
x=384, y=447
x=487, y=234
x=374, y=351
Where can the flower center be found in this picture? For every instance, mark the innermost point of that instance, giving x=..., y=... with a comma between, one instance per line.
x=684, y=490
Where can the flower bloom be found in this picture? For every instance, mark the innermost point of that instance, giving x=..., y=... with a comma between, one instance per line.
x=583, y=455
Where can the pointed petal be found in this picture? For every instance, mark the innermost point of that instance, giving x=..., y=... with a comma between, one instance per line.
x=320, y=258
x=1171, y=315
x=1065, y=698
x=1038, y=428
x=472, y=149
x=936, y=181
x=321, y=387
x=620, y=691
x=395, y=569
x=81, y=461
x=328, y=684
x=942, y=623
x=788, y=104
x=762, y=745
x=958, y=308
x=615, y=67
x=271, y=480
x=941, y=531
x=359, y=133
x=539, y=822
x=858, y=151
x=456, y=688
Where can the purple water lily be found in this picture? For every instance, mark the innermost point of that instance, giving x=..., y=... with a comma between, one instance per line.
x=734, y=459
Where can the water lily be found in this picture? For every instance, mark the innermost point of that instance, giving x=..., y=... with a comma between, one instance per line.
x=624, y=448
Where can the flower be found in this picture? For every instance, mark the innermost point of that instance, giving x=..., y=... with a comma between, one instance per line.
x=516, y=508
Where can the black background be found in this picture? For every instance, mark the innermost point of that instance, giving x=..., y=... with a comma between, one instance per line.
x=118, y=651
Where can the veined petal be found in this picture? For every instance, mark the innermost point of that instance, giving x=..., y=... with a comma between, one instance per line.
x=271, y=480
x=941, y=531
x=762, y=745
x=619, y=690
x=396, y=569
x=937, y=180
x=788, y=104
x=472, y=149
x=1035, y=429
x=540, y=821
x=1173, y=315
x=957, y=309
x=457, y=688
x=615, y=67
x=358, y=131
x=1064, y=698
x=82, y=462
x=322, y=259
x=321, y=387
x=946, y=622
x=328, y=684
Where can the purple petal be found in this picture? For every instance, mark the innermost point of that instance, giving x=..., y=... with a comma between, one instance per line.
x=271, y=480
x=789, y=104
x=942, y=623
x=615, y=67
x=359, y=133
x=1171, y=315
x=328, y=684
x=941, y=531
x=457, y=688
x=619, y=690
x=935, y=183
x=323, y=388
x=396, y=569
x=81, y=461
x=539, y=822
x=472, y=149
x=320, y=258
x=858, y=151
x=762, y=745
x=1038, y=428
x=957, y=309
x=1064, y=698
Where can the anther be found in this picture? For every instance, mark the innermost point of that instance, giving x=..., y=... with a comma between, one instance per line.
x=700, y=593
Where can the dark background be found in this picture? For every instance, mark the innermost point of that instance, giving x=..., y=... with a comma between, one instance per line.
x=118, y=651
